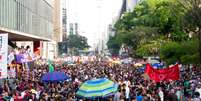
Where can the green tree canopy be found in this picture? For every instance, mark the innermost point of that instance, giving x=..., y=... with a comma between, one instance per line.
x=77, y=41
x=170, y=19
x=113, y=45
x=184, y=52
x=193, y=19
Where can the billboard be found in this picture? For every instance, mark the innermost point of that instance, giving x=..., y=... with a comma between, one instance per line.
x=3, y=55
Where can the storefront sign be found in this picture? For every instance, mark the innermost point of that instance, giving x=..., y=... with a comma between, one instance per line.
x=3, y=55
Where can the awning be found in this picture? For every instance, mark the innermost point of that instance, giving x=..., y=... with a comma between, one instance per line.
x=20, y=36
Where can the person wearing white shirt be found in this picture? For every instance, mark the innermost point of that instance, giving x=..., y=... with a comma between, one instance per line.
x=117, y=96
x=161, y=94
x=198, y=89
x=127, y=82
x=23, y=94
x=11, y=57
x=127, y=93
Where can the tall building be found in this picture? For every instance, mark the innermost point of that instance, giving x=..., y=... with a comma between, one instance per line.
x=57, y=20
x=73, y=29
x=111, y=30
x=60, y=20
x=59, y=23
x=62, y=48
x=76, y=29
x=64, y=19
x=29, y=20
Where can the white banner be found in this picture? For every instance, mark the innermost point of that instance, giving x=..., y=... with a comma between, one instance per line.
x=3, y=55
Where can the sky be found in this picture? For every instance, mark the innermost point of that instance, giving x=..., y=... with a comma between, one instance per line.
x=92, y=16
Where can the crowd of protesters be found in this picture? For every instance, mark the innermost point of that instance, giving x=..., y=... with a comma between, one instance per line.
x=133, y=84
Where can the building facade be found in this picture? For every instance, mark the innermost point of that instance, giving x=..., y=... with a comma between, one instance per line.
x=57, y=20
x=60, y=20
x=64, y=19
x=76, y=29
x=29, y=16
x=29, y=20
x=73, y=29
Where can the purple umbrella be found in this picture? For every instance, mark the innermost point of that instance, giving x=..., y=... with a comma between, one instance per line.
x=55, y=76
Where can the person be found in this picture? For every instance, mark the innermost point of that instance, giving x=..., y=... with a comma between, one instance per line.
x=179, y=94
x=126, y=92
x=172, y=95
x=139, y=96
x=117, y=95
x=11, y=57
x=196, y=96
x=161, y=94
x=28, y=58
x=132, y=85
x=186, y=87
x=198, y=89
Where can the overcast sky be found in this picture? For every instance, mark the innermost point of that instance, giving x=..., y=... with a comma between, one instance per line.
x=93, y=16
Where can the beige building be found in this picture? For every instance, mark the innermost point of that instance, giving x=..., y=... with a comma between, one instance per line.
x=57, y=25
x=57, y=20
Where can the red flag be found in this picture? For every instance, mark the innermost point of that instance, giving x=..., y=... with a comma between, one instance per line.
x=170, y=73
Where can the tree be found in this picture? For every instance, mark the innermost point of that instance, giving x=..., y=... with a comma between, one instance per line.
x=193, y=19
x=113, y=45
x=76, y=42
x=191, y=54
x=171, y=52
x=170, y=19
x=151, y=48
x=168, y=16
x=184, y=52
x=149, y=20
x=133, y=38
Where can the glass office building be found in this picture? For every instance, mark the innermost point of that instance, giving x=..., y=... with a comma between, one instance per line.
x=28, y=16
